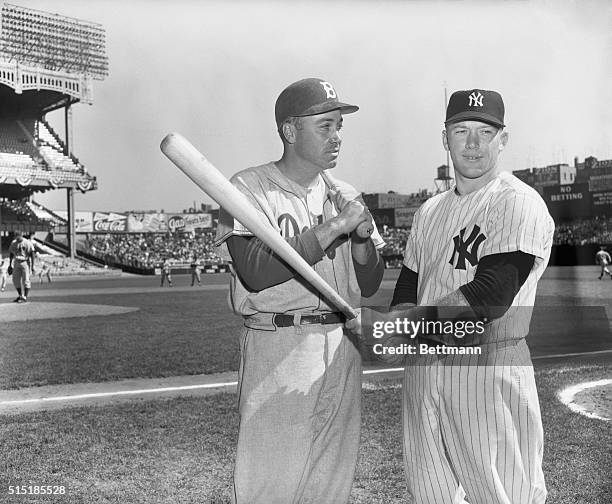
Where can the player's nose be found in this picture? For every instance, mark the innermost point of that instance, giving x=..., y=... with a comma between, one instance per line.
x=335, y=140
x=472, y=140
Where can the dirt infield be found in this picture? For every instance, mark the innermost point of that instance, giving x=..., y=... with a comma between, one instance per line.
x=17, y=312
x=591, y=399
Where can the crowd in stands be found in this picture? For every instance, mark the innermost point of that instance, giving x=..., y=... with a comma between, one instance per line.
x=145, y=250
x=597, y=230
x=17, y=211
x=150, y=250
x=48, y=266
x=395, y=239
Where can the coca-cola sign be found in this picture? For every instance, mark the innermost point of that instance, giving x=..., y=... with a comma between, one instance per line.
x=109, y=222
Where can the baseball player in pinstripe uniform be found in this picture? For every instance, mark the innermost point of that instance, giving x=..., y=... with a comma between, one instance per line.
x=472, y=426
x=300, y=371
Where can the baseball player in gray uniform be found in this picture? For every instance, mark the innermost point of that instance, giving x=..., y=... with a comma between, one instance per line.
x=300, y=371
x=471, y=415
x=21, y=265
x=3, y=274
x=602, y=257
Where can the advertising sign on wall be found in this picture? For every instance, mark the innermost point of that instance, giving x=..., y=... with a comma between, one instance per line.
x=404, y=216
x=109, y=222
x=149, y=222
x=188, y=223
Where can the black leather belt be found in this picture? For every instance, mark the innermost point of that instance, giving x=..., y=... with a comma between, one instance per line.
x=287, y=320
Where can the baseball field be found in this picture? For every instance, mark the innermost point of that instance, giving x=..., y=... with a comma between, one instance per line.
x=119, y=391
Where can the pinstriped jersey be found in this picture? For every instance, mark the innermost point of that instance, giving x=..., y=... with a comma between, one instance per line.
x=290, y=209
x=451, y=233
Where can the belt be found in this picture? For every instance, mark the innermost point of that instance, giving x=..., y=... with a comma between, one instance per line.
x=287, y=320
x=471, y=342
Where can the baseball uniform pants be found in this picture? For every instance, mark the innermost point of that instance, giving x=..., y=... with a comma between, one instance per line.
x=21, y=274
x=472, y=428
x=300, y=414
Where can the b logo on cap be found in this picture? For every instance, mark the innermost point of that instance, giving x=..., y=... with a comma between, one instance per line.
x=476, y=99
x=329, y=89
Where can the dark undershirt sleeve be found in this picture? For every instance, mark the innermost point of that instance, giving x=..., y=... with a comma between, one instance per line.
x=370, y=275
x=260, y=268
x=498, y=279
x=406, y=287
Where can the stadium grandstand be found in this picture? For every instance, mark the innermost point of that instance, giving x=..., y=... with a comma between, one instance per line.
x=140, y=241
x=47, y=63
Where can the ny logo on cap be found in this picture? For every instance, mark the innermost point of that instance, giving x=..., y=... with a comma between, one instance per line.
x=329, y=89
x=476, y=99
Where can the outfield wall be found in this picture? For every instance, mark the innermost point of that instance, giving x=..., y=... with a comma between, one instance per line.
x=575, y=255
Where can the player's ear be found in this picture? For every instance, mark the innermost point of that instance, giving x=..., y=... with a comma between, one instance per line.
x=288, y=132
x=444, y=139
x=503, y=140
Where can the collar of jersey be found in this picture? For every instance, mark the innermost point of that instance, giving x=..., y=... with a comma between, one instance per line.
x=276, y=177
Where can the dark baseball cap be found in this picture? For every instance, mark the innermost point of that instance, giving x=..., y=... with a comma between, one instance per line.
x=476, y=105
x=308, y=97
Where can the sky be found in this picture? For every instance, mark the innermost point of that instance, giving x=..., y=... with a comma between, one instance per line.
x=212, y=70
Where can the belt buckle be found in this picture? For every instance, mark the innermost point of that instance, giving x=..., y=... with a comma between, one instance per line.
x=311, y=319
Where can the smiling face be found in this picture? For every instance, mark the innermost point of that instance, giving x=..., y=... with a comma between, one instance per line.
x=474, y=147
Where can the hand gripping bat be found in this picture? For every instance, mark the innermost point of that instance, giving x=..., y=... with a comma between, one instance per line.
x=202, y=172
x=365, y=229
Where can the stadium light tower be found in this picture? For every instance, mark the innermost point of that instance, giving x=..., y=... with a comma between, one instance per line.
x=53, y=42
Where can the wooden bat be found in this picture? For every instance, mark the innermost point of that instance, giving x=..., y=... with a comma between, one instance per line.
x=365, y=229
x=193, y=164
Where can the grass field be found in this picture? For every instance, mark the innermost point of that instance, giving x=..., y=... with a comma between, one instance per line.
x=181, y=450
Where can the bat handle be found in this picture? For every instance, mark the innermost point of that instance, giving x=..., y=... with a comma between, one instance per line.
x=365, y=229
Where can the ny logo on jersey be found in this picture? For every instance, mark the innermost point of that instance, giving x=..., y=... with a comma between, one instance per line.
x=461, y=248
x=476, y=99
x=329, y=89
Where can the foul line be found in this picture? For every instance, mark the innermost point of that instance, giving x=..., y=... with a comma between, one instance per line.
x=99, y=395
x=578, y=354
x=118, y=393
x=567, y=395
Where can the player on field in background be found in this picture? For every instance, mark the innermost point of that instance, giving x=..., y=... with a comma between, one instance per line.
x=21, y=265
x=300, y=372
x=3, y=276
x=196, y=270
x=166, y=272
x=45, y=271
x=472, y=424
x=602, y=257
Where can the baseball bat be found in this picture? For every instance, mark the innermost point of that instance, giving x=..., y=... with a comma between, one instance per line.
x=203, y=173
x=365, y=229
